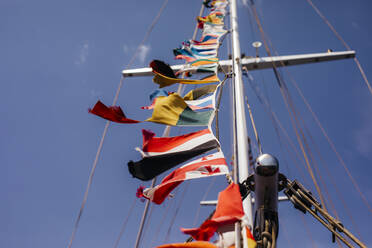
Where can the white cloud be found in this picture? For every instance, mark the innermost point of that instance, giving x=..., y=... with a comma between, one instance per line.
x=83, y=54
x=126, y=49
x=143, y=50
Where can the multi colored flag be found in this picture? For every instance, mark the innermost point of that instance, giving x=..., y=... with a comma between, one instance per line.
x=210, y=165
x=164, y=81
x=174, y=111
x=161, y=154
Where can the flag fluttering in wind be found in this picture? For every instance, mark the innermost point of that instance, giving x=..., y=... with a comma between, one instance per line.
x=157, y=93
x=205, y=103
x=229, y=210
x=192, y=98
x=112, y=113
x=210, y=165
x=227, y=237
x=164, y=81
x=161, y=154
x=213, y=18
x=160, y=67
x=197, y=244
x=173, y=111
x=199, y=92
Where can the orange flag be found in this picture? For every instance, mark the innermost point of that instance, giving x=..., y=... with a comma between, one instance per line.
x=197, y=244
x=229, y=210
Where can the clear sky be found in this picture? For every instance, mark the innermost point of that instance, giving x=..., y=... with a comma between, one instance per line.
x=59, y=57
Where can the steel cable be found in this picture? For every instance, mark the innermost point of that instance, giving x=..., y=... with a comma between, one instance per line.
x=125, y=223
x=343, y=42
x=94, y=166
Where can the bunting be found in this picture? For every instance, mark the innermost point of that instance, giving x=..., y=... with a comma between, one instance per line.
x=161, y=154
x=197, y=244
x=210, y=165
x=112, y=113
x=173, y=111
x=229, y=210
x=164, y=81
x=192, y=98
x=199, y=92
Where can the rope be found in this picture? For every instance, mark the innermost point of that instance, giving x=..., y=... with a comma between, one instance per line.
x=317, y=120
x=175, y=214
x=94, y=166
x=343, y=42
x=125, y=223
x=253, y=125
x=313, y=244
x=161, y=223
x=289, y=104
x=276, y=74
x=204, y=197
x=276, y=123
x=147, y=224
x=332, y=146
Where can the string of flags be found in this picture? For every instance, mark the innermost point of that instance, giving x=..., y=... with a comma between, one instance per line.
x=195, y=108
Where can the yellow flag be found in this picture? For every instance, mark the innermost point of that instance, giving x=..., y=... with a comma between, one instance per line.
x=164, y=81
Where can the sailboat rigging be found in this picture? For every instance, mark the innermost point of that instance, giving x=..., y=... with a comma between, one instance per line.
x=253, y=186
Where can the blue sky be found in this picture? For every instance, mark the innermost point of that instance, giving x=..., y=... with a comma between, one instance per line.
x=58, y=58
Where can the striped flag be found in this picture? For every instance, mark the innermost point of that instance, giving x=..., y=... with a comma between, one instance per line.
x=199, y=92
x=173, y=110
x=205, y=103
x=210, y=165
x=161, y=154
x=164, y=81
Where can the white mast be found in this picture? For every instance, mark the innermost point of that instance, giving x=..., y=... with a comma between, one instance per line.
x=241, y=139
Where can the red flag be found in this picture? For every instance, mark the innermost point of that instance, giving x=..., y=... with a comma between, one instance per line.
x=112, y=113
x=229, y=210
x=210, y=165
x=197, y=244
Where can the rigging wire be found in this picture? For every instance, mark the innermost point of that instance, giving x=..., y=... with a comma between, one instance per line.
x=307, y=230
x=277, y=123
x=94, y=166
x=339, y=195
x=162, y=221
x=253, y=125
x=314, y=160
x=290, y=106
x=176, y=213
x=147, y=224
x=309, y=107
x=324, y=186
x=203, y=199
x=125, y=223
x=343, y=42
x=330, y=142
x=363, y=197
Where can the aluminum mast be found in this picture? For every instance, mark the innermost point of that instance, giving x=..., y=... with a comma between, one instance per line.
x=240, y=135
